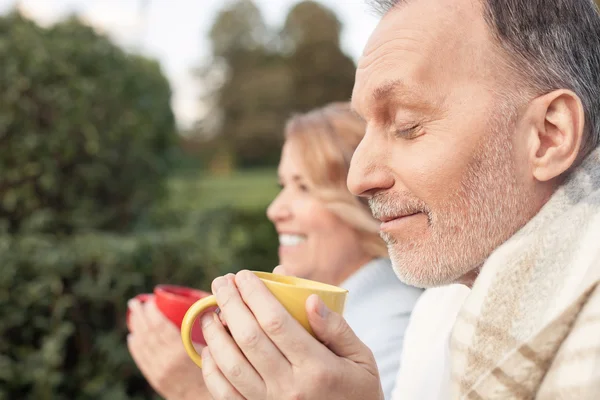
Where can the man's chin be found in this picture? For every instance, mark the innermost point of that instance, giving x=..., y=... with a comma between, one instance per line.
x=424, y=276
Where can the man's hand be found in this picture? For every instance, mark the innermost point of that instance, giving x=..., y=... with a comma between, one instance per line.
x=156, y=347
x=269, y=356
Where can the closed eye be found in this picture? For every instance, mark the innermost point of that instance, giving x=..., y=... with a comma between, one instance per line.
x=303, y=187
x=411, y=132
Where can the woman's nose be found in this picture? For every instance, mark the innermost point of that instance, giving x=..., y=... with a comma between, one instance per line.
x=279, y=209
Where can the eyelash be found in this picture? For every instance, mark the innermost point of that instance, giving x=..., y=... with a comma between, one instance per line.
x=408, y=133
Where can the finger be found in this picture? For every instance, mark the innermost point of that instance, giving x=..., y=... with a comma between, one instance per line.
x=248, y=334
x=216, y=383
x=148, y=323
x=140, y=356
x=230, y=277
x=159, y=324
x=335, y=333
x=137, y=319
x=230, y=360
x=285, y=332
x=280, y=270
x=220, y=315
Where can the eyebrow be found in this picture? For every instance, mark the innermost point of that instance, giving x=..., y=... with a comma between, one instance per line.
x=397, y=92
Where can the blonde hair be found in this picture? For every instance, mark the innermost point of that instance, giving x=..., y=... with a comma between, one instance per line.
x=326, y=138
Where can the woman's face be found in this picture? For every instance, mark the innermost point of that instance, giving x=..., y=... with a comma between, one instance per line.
x=313, y=242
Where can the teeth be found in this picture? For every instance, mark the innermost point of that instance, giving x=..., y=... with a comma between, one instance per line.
x=291, y=240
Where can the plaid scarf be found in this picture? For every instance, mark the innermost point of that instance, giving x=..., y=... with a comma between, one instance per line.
x=530, y=328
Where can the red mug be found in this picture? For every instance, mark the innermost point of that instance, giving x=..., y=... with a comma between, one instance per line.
x=173, y=302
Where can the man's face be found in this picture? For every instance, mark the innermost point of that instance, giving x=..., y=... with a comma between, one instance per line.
x=439, y=161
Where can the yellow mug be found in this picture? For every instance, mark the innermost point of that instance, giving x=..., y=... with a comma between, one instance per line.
x=291, y=292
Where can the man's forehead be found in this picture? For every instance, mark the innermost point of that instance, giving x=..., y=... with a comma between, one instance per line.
x=421, y=44
x=433, y=20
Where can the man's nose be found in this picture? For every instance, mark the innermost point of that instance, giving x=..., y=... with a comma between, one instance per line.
x=369, y=172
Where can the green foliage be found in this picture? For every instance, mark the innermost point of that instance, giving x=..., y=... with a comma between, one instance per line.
x=250, y=190
x=63, y=300
x=86, y=135
x=84, y=129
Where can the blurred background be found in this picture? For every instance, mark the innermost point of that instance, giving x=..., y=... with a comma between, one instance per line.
x=139, y=141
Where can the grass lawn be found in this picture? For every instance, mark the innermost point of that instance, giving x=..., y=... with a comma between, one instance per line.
x=246, y=189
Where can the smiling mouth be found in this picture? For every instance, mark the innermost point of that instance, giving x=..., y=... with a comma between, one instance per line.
x=290, y=240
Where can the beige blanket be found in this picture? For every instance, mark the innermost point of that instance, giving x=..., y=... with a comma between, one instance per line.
x=530, y=329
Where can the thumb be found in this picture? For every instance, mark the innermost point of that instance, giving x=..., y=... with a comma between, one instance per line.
x=280, y=270
x=334, y=332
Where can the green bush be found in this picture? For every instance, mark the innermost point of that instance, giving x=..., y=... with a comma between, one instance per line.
x=63, y=301
x=85, y=143
x=85, y=129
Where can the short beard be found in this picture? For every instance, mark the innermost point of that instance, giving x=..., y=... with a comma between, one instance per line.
x=486, y=210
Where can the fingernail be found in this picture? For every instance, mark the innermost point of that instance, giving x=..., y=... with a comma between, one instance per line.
x=322, y=309
x=206, y=320
x=219, y=284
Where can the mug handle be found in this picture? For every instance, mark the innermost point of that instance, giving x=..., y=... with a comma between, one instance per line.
x=188, y=322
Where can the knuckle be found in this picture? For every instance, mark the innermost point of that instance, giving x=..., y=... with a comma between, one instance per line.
x=275, y=325
x=322, y=377
x=341, y=328
x=234, y=371
x=249, y=339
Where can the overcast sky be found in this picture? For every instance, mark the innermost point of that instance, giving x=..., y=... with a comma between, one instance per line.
x=174, y=31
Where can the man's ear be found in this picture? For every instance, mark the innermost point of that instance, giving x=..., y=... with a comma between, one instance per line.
x=555, y=133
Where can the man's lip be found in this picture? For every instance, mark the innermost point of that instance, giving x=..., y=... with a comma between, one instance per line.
x=398, y=223
x=388, y=219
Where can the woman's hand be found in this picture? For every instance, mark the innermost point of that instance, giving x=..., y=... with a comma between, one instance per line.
x=156, y=347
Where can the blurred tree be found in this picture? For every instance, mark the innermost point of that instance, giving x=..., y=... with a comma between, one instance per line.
x=309, y=22
x=321, y=72
x=247, y=85
x=238, y=28
x=85, y=129
x=266, y=75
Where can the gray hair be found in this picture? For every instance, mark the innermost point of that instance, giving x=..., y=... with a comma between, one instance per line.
x=552, y=44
